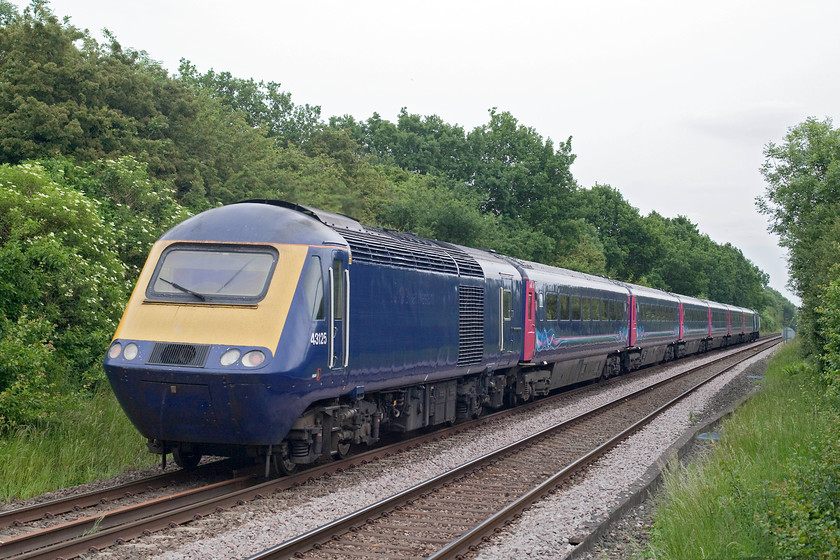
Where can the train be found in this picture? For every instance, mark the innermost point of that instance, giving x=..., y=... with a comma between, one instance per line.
x=276, y=331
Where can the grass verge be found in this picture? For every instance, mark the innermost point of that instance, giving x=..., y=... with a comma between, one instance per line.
x=89, y=441
x=765, y=490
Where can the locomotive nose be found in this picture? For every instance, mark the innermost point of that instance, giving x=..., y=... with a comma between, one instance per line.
x=194, y=358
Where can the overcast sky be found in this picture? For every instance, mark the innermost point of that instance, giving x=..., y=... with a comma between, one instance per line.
x=671, y=103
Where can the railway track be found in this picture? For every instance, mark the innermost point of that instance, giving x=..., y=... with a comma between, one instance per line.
x=448, y=515
x=71, y=538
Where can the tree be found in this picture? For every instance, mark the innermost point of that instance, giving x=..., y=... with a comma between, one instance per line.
x=64, y=93
x=8, y=12
x=519, y=174
x=263, y=104
x=138, y=208
x=802, y=200
x=631, y=244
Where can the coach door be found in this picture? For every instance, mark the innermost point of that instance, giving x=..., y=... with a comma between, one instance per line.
x=510, y=335
x=339, y=335
x=530, y=327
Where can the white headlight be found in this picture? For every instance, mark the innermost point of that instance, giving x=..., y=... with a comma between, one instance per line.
x=229, y=358
x=131, y=351
x=253, y=358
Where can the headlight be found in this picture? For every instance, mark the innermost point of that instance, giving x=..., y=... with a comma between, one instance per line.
x=253, y=358
x=114, y=350
x=229, y=358
x=131, y=351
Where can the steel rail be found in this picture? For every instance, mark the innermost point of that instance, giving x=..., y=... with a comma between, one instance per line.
x=80, y=527
x=321, y=535
x=167, y=512
x=467, y=541
x=48, y=510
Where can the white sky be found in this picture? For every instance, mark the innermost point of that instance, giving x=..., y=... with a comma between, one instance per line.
x=669, y=102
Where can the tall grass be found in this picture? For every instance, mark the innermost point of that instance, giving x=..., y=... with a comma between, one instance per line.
x=720, y=507
x=89, y=441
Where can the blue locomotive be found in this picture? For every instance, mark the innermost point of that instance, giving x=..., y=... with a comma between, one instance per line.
x=279, y=331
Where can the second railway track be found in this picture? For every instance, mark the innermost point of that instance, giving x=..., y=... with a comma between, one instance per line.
x=445, y=516
x=254, y=488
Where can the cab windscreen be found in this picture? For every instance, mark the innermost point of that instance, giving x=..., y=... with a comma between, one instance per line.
x=212, y=274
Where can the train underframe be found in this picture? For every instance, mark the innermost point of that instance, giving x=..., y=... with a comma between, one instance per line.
x=332, y=428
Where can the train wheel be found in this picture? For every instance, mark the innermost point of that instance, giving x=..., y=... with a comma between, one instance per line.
x=186, y=460
x=342, y=450
x=284, y=464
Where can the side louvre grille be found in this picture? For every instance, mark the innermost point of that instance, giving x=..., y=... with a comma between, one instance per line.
x=471, y=325
x=189, y=355
x=409, y=251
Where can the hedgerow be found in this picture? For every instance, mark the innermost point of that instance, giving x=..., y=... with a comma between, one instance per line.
x=67, y=263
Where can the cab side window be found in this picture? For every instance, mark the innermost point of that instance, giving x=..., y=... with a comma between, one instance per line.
x=338, y=289
x=313, y=285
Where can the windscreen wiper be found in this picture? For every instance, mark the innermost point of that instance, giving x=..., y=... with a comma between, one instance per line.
x=177, y=286
x=235, y=274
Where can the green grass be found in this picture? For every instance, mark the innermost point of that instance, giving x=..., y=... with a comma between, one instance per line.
x=91, y=441
x=727, y=506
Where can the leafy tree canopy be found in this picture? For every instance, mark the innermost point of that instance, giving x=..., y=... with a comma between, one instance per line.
x=802, y=200
x=101, y=150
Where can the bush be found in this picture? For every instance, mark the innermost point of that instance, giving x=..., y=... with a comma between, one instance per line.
x=72, y=241
x=828, y=322
x=771, y=488
x=26, y=355
x=57, y=264
x=803, y=513
x=136, y=207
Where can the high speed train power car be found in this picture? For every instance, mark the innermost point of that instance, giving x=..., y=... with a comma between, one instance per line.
x=282, y=332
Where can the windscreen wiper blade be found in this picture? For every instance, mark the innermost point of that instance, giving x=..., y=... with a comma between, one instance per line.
x=177, y=286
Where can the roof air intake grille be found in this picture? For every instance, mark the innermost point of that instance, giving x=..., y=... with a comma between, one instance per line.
x=409, y=251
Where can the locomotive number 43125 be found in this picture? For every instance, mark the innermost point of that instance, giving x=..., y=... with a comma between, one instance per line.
x=318, y=339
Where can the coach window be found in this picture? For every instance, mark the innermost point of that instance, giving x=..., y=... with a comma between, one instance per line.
x=575, y=308
x=551, y=306
x=586, y=305
x=564, y=307
x=313, y=284
x=506, y=305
